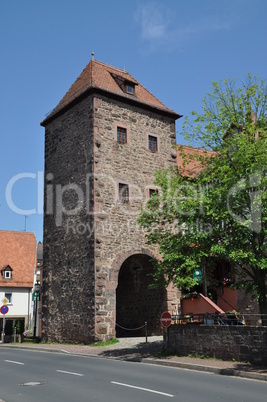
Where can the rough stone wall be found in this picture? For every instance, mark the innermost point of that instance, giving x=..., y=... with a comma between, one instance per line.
x=88, y=233
x=242, y=343
x=117, y=232
x=68, y=271
x=249, y=307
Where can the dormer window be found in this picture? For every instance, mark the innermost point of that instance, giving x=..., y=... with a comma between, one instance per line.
x=129, y=88
x=126, y=85
x=7, y=272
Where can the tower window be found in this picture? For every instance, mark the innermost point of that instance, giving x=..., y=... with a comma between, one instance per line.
x=153, y=143
x=123, y=192
x=153, y=192
x=121, y=135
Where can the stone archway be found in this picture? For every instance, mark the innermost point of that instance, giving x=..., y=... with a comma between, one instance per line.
x=136, y=303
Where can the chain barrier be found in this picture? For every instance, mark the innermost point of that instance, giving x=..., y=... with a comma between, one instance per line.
x=128, y=329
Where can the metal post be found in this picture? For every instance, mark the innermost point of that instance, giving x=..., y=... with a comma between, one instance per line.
x=15, y=333
x=167, y=332
x=4, y=324
x=146, y=330
x=35, y=317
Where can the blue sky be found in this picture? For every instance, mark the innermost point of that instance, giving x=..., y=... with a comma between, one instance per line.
x=175, y=48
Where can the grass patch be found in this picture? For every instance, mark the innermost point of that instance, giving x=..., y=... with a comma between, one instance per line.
x=32, y=339
x=112, y=341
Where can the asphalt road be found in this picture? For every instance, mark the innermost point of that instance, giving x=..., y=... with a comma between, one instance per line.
x=29, y=376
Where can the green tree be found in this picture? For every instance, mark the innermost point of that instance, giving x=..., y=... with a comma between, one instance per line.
x=214, y=206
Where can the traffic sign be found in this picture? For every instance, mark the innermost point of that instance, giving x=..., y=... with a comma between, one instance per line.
x=36, y=295
x=166, y=319
x=4, y=300
x=4, y=310
x=197, y=274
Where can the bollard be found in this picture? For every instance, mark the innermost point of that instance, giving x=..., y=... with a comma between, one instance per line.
x=146, y=330
x=15, y=334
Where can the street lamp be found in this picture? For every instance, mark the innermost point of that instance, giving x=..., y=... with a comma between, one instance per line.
x=36, y=298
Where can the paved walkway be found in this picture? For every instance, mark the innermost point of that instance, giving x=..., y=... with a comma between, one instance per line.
x=136, y=349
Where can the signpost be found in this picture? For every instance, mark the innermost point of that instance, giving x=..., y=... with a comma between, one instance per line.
x=166, y=320
x=4, y=310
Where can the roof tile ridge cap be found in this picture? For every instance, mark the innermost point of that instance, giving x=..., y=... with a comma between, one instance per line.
x=92, y=73
x=189, y=147
x=194, y=148
x=15, y=231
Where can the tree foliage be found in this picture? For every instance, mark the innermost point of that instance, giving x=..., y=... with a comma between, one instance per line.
x=219, y=210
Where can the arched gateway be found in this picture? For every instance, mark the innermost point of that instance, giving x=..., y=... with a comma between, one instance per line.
x=136, y=302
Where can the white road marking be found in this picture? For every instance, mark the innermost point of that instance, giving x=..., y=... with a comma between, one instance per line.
x=142, y=389
x=69, y=372
x=11, y=361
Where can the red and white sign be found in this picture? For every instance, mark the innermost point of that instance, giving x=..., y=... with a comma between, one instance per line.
x=166, y=319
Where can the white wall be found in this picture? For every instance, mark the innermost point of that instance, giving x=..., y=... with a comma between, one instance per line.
x=21, y=303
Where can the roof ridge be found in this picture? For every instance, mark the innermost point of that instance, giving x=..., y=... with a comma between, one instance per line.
x=194, y=148
x=16, y=231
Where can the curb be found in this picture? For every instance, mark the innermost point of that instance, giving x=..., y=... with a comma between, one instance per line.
x=187, y=366
x=208, y=369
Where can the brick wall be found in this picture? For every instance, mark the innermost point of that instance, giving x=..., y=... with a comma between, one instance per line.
x=242, y=343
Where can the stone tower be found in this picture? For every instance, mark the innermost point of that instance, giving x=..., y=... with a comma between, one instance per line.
x=103, y=143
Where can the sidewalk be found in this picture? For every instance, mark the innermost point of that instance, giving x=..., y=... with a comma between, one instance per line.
x=137, y=350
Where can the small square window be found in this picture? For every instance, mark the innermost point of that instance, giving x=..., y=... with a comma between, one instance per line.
x=123, y=192
x=129, y=89
x=7, y=274
x=153, y=192
x=121, y=135
x=152, y=143
x=8, y=296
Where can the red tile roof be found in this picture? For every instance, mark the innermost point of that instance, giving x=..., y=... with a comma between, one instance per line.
x=18, y=250
x=102, y=77
x=194, y=166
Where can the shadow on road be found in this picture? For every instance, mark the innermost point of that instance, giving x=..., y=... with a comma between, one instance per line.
x=137, y=352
